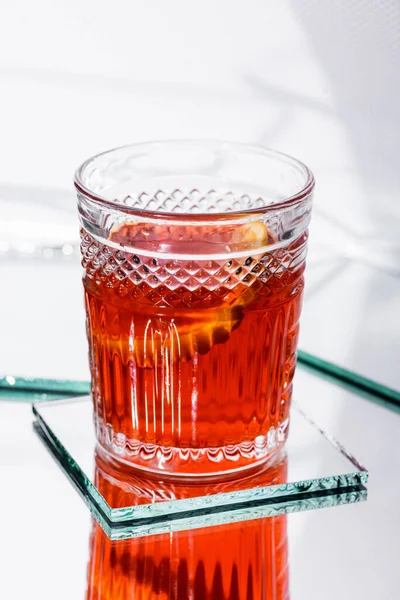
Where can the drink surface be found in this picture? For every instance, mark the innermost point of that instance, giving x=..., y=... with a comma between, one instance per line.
x=192, y=360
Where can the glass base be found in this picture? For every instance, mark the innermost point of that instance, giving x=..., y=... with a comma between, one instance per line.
x=174, y=462
x=311, y=471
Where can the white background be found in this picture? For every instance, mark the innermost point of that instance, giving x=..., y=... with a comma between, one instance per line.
x=318, y=79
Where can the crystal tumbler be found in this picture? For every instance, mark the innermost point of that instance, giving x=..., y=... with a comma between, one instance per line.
x=193, y=255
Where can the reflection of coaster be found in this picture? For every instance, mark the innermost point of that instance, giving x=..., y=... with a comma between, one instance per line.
x=312, y=472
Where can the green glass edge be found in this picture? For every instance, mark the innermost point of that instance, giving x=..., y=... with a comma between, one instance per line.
x=229, y=500
x=216, y=503
x=70, y=467
x=129, y=530
x=359, y=385
x=22, y=389
x=36, y=388
x=159, y=524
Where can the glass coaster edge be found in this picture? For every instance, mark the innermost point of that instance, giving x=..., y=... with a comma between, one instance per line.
x=129, y=530
x=362, y=471
x=226, y=500
x=132, y=530
x=74, y=472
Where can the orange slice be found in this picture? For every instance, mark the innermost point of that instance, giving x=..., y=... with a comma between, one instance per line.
x=160, y=340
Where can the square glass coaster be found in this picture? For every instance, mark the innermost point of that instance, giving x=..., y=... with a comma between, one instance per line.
x=312, y=471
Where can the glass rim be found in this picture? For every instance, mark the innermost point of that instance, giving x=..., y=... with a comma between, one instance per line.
x=303, y=193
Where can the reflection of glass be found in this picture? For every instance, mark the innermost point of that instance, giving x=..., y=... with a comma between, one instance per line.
x=194, y=258
x=245, y=560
